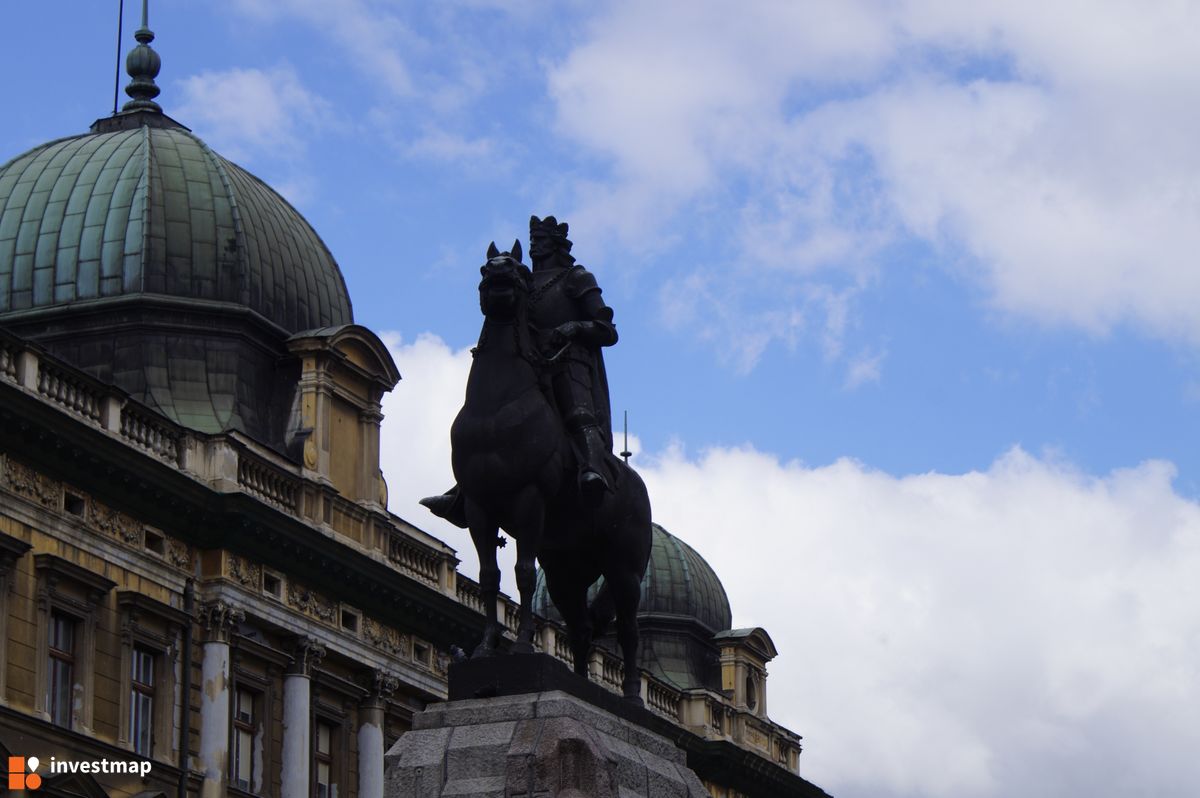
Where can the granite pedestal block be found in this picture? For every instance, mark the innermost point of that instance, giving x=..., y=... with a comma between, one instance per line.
x=534, y=745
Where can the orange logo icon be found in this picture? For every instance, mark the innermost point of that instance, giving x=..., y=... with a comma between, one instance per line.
x=21, y=779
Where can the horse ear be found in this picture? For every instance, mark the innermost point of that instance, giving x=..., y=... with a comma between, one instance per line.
x=492, y=251
x=516, y=250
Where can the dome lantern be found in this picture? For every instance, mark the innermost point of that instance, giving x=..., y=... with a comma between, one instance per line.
x=143, y=64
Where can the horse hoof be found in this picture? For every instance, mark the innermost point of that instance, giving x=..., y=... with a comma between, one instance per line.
x=481, y=651
x=634, y=701
x=522, y=648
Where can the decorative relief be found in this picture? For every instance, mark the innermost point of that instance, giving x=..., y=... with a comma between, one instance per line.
x=309, y=653
x=37, y=486
x=441, y=662
x=756, y=737
x=383, y=684
x=219, y=618
x=114, y=522
x=178, y=553
x=244, y=572
x=311, y=603
x=386, y=639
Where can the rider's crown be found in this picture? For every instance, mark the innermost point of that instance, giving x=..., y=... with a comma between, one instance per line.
x=548, y=228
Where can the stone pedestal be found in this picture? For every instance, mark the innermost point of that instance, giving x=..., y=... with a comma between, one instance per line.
x=548, y=744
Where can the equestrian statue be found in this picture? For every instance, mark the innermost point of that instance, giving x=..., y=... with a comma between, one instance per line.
x=532, y=452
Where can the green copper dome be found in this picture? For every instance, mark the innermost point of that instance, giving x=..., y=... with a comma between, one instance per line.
x=683, y=605
x=139, y=255
x=679, y=582
x=153, y=211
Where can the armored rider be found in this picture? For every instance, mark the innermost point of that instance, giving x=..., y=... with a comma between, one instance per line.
x=572, y=324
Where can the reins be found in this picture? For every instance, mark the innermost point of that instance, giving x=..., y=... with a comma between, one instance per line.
x=521, y=328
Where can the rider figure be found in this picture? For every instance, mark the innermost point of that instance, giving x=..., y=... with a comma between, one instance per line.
x=566, y=306
x=572, y=324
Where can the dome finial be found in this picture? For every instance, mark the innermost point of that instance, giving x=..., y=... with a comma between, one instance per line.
x=143, y=64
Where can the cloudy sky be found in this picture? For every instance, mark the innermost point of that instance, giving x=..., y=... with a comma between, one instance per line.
x=908, y=299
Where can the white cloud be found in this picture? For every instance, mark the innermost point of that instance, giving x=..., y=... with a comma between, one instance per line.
x=1029, y=629
x=1050, y=146
x=865, y=367
x=444, y=145
x=285, y=111
x=371, y=36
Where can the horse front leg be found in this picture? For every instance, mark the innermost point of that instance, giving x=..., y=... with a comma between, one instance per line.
x=485, y=536
x=529, y=518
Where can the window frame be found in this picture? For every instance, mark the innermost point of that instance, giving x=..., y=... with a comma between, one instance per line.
x=59, y=657
x=156, y=629
x=11, y=551
x=328, y=758
x=143, y=694
x=72, y=590
x=263, y=687
x=252, y=728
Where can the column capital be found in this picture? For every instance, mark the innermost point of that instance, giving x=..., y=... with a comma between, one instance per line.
x=309, y=652
x=380, y=686
x=219, y=618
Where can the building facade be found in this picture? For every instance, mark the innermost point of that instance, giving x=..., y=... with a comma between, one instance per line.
x=198, y=571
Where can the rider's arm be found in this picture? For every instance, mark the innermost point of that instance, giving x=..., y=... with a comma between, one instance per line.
x=596, y=327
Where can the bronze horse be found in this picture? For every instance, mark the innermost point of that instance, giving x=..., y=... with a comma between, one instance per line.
x=514, y=464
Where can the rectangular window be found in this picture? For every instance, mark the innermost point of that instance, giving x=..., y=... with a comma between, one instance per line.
x=244, y=726
x=141, y=701
x=323, y=760
x=61, y=685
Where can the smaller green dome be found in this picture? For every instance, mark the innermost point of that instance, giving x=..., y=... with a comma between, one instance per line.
x=679, y=582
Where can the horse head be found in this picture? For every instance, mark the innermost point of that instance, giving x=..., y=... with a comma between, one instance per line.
x=505, y=285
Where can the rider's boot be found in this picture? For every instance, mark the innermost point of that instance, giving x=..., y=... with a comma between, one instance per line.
x=448, y=505
x=592, y=482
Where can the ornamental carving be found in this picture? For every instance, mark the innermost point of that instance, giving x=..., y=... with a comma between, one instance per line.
x=27, y=482
x=308, y=656
x=244, y=572
x=756, y=738
x=312, y=603
x=114, y=522
x=178, y=553
x=219, y=618
x=383, y=684
x=385, y=638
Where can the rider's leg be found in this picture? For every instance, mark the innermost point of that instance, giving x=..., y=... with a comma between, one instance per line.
x=590, y=442
x=573, y=394
x=448, y=505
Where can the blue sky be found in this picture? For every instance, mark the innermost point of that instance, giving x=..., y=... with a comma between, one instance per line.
x=889, y=277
